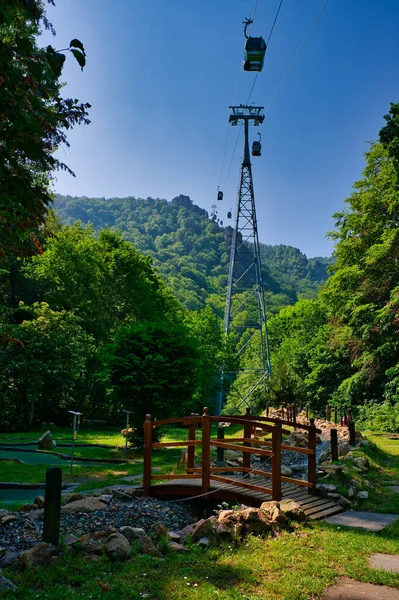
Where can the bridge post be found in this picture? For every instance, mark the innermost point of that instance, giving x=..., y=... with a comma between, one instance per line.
x=312, y=457
x=276, y=462
x=191, y=449
x=147, y=452
x=206, y=451
x=246, y=456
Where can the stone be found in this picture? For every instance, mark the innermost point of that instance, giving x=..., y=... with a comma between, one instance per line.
x=46, y=442
x=341, y=500
x=38, y=556
x=117, y=547
x=159, y=529
x=361, y=463
x=9, y=518
x=362, y=495
x=203, y=542
x=334, y=469
x=318, y=440
x=364, y=520
x=9, y=558
x=4, y=513
x=364, y=444
x=394, y=488
x=292, y=510
x=297, y=468
x=132, y=533
x=39, y=501
x=386, y=562
x=323, y=456
x=68, y=498
x=147, y=546
x=351, y=493
x=88, y=504
x=286, y=471
x=298, y=439
x=37, y=514
x=347, y=589
x=26, y=507
x=175, y=547
x=174, y=537
x=7, y=584
x=70, y=539
x=92, y=543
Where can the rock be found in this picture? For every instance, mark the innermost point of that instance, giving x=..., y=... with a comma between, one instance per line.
x=362, y=495
x=9, y=558
x=46, y=442
x=117, y=547
x=106, y=498
x=147, y=546
x=7, y=584
x=38, y=514
x=298, y=439
x=341, y=500
x=203, y=542
x=70, y=539
x=361, y=463
x=329, y=488
x=323, y=456
x=297, y=468
x=39, y=501
x=175, y=547
x=351, y=493
x=88, y=504
x=174, y=537
x=286, y=471
x=318, y=440
x=4, y=513
x=38, y=556
x=292, y=510
x=335, y=469
x=9, y=518
x=92, y=543
x=132, y=533
x=26, y=507
x=68, y=498
x=159, y=529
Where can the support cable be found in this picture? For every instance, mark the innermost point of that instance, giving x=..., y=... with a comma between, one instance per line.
x=296, y=56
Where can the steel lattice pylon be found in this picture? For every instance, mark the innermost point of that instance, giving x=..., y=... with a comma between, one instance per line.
x=245, y=314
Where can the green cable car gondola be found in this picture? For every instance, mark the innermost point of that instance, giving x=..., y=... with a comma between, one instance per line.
x=255, y=50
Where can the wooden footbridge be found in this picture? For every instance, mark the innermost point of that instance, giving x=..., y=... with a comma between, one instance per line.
x=238, y=484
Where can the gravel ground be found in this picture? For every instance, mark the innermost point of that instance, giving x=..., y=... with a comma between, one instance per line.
x=24, y=532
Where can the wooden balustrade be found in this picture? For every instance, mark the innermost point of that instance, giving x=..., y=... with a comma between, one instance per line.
x=244, y=443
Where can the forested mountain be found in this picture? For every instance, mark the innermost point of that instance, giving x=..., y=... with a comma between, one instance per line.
x=192, y=251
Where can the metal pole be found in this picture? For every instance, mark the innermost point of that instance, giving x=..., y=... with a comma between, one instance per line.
x=73, y=442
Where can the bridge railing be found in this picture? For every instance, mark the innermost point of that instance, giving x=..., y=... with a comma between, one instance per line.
x=247, y=444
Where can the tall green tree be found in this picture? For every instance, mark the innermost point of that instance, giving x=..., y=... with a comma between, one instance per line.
x=33, y=124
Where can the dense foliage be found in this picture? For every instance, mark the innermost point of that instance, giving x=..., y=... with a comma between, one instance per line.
x=192, y=251
x=33, y=124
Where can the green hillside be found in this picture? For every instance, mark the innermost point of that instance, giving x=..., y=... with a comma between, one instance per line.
x=192, y=251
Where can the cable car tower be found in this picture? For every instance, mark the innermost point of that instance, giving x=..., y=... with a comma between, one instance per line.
x=245, y=314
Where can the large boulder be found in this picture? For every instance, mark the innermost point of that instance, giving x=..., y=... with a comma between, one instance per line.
x=117, y=547
x=298, y=439
x=292, y=510
x=92, y=543
x=46, y=442
x=88, y=504
x=38, y=556
x=132, y=533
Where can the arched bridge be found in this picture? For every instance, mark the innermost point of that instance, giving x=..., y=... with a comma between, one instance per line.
x=245, y=484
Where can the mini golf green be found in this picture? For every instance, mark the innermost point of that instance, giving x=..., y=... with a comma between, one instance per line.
x=44, y=458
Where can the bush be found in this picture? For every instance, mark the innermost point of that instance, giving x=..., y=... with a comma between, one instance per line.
x=379, y=417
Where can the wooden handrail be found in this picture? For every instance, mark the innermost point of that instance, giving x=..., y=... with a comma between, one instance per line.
x=249, y=446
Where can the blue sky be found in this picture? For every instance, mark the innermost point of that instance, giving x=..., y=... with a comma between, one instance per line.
x=161, y=75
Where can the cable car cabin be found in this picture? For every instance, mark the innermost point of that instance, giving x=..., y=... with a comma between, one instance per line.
x=255, y=50
x=229, y=214
x=220, y=195
x=256, y=148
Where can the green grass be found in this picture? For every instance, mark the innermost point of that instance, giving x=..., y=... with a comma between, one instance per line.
x=293, y=566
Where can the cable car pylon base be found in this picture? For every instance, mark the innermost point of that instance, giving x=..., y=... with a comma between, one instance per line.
x=245, y=313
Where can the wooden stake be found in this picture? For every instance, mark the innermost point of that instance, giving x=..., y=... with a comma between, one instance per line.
x=206, y=451
x=276, y=462
x=312, y=457
x=334, y=444
x=52, y=506
x=147, y=452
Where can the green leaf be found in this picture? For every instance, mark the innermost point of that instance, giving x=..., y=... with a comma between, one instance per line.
x=77, y=44
x=79, y=57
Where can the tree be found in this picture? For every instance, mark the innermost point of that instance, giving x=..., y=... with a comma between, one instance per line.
x=362, y=296
x=43, y=361
x=150, y=368
x=33, y=124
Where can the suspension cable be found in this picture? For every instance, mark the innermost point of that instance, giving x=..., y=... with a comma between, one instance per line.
x=296, y=56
